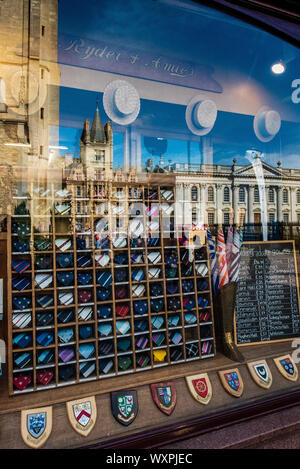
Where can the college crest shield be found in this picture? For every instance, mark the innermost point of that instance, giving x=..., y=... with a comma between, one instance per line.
x=124, y=406
x=164, y=396
x=36, y=426
x=200, y=387
x=232, y=381
x=287, y=367
x=82, y=415
x=261, y=373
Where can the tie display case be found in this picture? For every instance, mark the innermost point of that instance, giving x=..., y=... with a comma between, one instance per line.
x=101, y=283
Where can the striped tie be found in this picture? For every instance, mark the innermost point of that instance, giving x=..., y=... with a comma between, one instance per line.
x=213, y=261
x=221, y=258
x=234, y=266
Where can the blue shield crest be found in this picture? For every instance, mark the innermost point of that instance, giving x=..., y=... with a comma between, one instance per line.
x=36, y=424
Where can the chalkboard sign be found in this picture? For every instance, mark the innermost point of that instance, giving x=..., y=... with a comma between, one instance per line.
x=267, y=299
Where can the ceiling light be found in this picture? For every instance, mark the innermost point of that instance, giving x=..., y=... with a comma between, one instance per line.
x=278, y=68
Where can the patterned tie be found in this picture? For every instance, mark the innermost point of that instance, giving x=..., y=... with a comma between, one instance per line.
x=45, y=338
x=64, y=260
x=66, y=354
x=143, y=360
x=20, y=283
x=43, y=319
x=20, y=266
x=86, y=369
x=44, y=377
x=86, y=332
x=21, y=302
x=122, y=310
x=21, y=381
x=106, y=365
x=21, y=320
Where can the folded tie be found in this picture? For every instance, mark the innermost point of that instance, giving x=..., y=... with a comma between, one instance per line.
x=156, y=289
x=159, y=355
x=141, y=326
x=84, y=278
x=86, y=332
x=188, y=303
x=105, y=348
x=45, y=357
x=65, y=335
x=21, y=229
x=123, y=345
x=153, y=226
x=167, y=194
x=43, y=262
x=154, y=272
x=45, y=301
x=85, y=313
x=167, y=208
x=157, y=305
x=22, y=340
x=141, y=342
x=104, y=312
x=173, y=320
x=62, y=209
x=66, y=354
x=122, y=310
x=120, y=275
x=122, y=326
x=172, y=287
x=22, y=359
x=104, y=279
x=103, y=293
x=185, y=256
x=171, y=258
x=187, y=286
x=120, y=241
x=140, y=307
x=206, y=348
x=143, y=360
x=176, y=338
x=84, y=261
x=64, y=260
x=154, y=257
x=136, y=242
x=20, y=266
x=84, y=296
x=152, y=211
x=20, y=283
x=121, y=292
x=187, y=270
x=43, y=280
x=64, y=244
x=66, y=372
x=21, y=381
x=106, y=365
x=81, y=243
x=21, y=320
x=138, y=290
x=174, y=303
x=121, y=259
x=203, y=302
x=21, y=246
x=136, y=258
x=86, y=369
x=65, y=278
x=158, y=338
x=204, y=316
x=44, y=377
x=105, y=329
x=153, y=242
x=124, y=363
x=66, y=298
x=171, y=272
x=192, y=350
x=176, y=354
x=86, y=350
x=21, y=302
x=136, y=228
x=157, y=322
x=65, y=316
x=201, y=269
x=137, y=275
x=202, y=284
x=190, y=318
x=102, y=259
x=42, y=244
x=44, y=338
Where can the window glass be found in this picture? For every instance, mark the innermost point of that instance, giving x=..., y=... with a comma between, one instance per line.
x=124, y=127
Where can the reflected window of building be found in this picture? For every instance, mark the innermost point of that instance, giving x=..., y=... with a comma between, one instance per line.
x=194, y=216
x=256, y=194
x=285, y=217
x=285, y=196
x=298, y=196
x=226, y=218
x=271, y=195
x=211, y=218
x=242, y=218
x=226, y=194
x=271, y=217
x=210, y=194
x=257, y=217
x=242, y=194
x=194, y=194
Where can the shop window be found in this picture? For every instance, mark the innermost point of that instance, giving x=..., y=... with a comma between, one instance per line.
x=285, y=217
x=211, y=218
x=271, y=217
x=226, y=218
x=256, y=194
x=285, y=196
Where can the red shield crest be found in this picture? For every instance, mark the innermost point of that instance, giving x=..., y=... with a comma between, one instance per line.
x=200, y=387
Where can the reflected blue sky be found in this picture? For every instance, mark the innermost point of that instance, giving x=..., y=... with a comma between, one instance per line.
x=194, y=34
